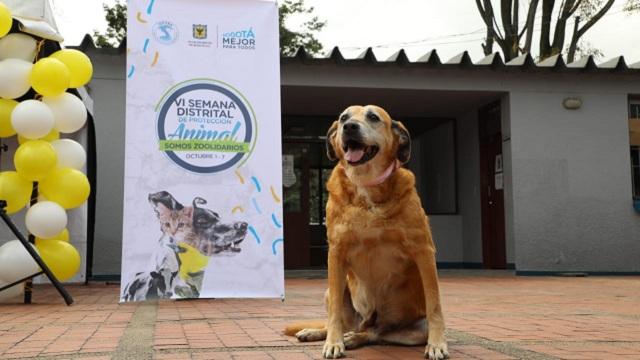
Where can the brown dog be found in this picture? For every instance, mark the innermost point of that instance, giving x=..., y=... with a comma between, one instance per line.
x=383, y=284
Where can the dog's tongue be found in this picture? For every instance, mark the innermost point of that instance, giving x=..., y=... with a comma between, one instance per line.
x=354, y=155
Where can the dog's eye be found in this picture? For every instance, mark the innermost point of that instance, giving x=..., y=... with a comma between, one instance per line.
x=344, y=117
x=373, y=117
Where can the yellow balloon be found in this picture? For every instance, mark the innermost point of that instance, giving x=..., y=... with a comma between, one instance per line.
x=63, y=236
x=6, y=107
x=51, y=136
x=60, y=256
x=15, y=190
x=35, y=159
x=191, y=260
x=66, y=186
x=5, y=20
x=49, y=77
x=79, y=64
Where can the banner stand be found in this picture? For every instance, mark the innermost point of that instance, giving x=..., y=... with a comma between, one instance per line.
x=45, y=269
x=203, y=204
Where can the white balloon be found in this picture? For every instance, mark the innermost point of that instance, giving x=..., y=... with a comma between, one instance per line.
x=15, y=262
x=70, y=153
x=13, y=294
x=14, y=78
x=18, y=46
x=32, y=119
x=46, y=219
x=68, y=110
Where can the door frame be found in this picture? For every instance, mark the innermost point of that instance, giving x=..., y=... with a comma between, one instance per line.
x=305, y=253
x=296, y=229
x=491, y=199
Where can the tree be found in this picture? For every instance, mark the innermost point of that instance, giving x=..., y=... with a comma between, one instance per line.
x=632, y=5
x=584, y=48
x=552, y=28
x=116, y=17
x=290, y=40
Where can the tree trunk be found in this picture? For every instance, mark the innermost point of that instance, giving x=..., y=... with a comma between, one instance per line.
x=559, y=33
x=545, y=27
x=528, y=27
x=510, y=47
x=574, y=42
x=486, y=11
x=487, y=46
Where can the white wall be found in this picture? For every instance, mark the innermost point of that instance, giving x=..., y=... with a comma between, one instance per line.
x=107, y=89
x=572, y=208
x=508, y=179
x=447, y=235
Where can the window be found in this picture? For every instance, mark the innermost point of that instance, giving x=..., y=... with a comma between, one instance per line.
x=634, y=140
x=318, y=176
x=634, y=110
x=434, y=164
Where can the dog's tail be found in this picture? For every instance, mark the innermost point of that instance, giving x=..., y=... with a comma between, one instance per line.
x=292, y=329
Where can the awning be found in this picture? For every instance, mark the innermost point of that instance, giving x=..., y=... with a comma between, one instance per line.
x=35, y=18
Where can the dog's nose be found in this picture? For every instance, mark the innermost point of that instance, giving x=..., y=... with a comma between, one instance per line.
x=241, y=226
x=351, y=127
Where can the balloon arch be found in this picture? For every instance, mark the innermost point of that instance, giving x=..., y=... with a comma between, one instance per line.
x=39, y=105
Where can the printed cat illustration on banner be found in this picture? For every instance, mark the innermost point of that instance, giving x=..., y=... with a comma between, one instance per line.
x=190, y=236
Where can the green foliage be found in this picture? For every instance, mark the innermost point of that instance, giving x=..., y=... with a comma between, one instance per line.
x=588, y=8
x=116, y=17
x=584, y=49
x=632, y=6
x=290, y=40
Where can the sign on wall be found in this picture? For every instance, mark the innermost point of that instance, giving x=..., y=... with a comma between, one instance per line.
x=203, y=167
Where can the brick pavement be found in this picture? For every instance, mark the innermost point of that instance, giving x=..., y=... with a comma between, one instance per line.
x=489, y=316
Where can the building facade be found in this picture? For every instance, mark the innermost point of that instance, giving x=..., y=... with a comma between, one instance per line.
x=519, y=165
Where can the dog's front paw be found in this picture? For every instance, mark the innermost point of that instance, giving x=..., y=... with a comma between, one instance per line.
x=436, y=350
x=333, y=350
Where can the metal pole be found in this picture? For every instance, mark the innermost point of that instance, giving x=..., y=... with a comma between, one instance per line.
x=28, y=285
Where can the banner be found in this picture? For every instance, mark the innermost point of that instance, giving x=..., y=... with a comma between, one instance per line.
x=203, y=167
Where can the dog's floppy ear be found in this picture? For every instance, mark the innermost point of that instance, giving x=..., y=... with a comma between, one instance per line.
x=404, y=141
x=331, y=136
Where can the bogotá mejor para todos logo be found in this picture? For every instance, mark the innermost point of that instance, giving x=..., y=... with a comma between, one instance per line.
x=205, y=126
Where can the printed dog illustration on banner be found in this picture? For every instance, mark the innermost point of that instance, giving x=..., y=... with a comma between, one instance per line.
x=190, y=236
x=212, y=235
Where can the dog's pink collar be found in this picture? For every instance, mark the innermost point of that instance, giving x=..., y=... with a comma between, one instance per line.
x=384, y=176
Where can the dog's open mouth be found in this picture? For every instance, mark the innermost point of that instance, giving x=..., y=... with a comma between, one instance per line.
x=357, y=153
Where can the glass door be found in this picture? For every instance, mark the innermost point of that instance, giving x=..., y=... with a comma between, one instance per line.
x=306, y=170
x=295, y=182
